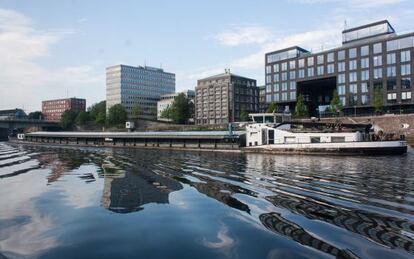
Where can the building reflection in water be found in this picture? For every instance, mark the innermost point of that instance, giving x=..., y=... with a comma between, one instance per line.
x=279, y=225
x=128, y=190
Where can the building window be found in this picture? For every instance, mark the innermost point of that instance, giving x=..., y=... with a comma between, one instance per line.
x=353, y=99
x=341, y=78
x=364, y=50
x=276, y=77
x=377, y=48
x=292, y=95
x=406, y=96
x=301, y=63
x=352, y=53
x=364, y=99
x=391, y=84
x=352, y=64
x=330, y=57
x=292, y=85
x=341, y=66
x=284, y=96
x=406, y=83
x=268, y=88
x=365, y=63
x=341, y=55
x=268, y=98
x=284, y=66
x=275, y=68
x=320, y=59
x=276, y=87
x=311, y=61
x=405, y=69
x=364, y=87
x=292, y=64
x=284, y=76
x=268, y=69
x=320, y=70
x=391, y=71
x=377, y=61
x=364, y=75
x=276, y=97
x=310, y=71
x=343, y=100
x=405, y=56
x=284, y=86
x=352, y=77
x=292, y=75
x=392, y=96
x=391, y=58
x=331, y=68
x=377, y=73
x=268, y=79
x=378, y=85
x=301, y=73
x=341, y=89
x=353, y=89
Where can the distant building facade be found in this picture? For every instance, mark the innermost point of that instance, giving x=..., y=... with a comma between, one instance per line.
x=13, y=114
x=167, y=100
x=52, y=110
x=222, y=98
x=262, y=99
x=372, y=58
x=142, y=86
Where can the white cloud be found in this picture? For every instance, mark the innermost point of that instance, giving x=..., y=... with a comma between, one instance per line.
x=24, y=82
x=241, y=35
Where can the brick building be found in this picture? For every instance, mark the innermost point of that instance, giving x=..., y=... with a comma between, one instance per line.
x=52, y=110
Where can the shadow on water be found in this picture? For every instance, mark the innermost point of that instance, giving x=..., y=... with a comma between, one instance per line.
x=369, y=199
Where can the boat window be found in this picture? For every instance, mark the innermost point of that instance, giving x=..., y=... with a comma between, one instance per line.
x=290, y=139
x=271, y=136
x=315, y=139
x=337, y=139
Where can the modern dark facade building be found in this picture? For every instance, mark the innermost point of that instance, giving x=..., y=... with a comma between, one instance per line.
x=52, y=110
x=262, y=99
x=371, y=57
x=221, y=98
x=137, y=86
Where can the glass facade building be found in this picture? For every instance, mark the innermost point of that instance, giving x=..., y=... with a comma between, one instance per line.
x=142, y=86
x=371, y=57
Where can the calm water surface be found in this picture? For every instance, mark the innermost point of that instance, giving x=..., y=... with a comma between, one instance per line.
x=120, y=203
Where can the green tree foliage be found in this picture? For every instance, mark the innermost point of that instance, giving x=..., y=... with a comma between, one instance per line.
x=68, y=119
x=37, y=115
x=273, y=107
x=244, y=115
x=117, y=115
x=82, y=118
x=97, y=113
x=101, y=119
x=136, y=111
x=336, y=104
x=181, y=109
x=300, y=108
x=166, y=113
x=378, y=101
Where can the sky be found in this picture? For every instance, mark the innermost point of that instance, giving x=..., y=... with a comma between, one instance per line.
x=55, y=49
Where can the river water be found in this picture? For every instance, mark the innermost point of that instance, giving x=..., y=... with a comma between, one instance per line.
x=129, y=203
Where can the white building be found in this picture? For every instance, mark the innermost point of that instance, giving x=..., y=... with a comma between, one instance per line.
x=167, y=100
x=142, y=86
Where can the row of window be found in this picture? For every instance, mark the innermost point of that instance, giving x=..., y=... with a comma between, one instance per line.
x=280, y=97
x=405, y=56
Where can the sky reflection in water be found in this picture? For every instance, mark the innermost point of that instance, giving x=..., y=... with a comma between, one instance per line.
x=104, y=203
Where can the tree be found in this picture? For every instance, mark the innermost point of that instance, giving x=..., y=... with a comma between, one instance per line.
x=300, y=108
x=67, y=121
x=273, y=107
x=378, y=101
x=82, y=118
x=136, y=111
x=117, y=115
x=101, y=118
x=96, y=109
x=336, y=104
x=166, y=113
x=244, y=115
x=37, y=115
x=181, y=109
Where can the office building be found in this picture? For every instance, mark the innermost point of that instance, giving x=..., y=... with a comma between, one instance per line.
x=142, y=86
x=52, y=110
x=222, y=98
x=371, y=57
x=262, y=99
x=167, y=100
x=13, y=114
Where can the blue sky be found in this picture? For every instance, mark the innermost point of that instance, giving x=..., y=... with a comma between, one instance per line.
x=53, y=49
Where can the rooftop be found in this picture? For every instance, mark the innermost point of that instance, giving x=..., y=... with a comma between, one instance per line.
x=226, y=73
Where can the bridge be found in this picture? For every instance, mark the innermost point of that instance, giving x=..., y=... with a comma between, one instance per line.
x=8, y=125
